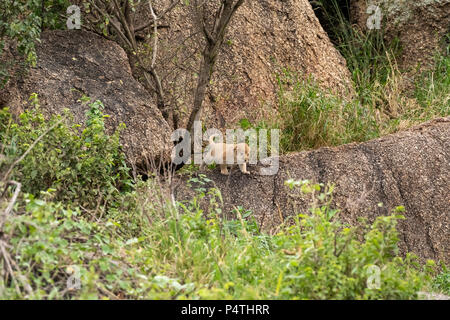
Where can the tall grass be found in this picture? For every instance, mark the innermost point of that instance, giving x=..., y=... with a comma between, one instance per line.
x=370, y=59
x=432, y=90
x=385, y=101
x=310, y=118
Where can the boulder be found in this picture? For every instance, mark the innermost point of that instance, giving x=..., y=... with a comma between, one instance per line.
x=410, y=168
x=74, y=63
x=419, y=25
x=263, y=38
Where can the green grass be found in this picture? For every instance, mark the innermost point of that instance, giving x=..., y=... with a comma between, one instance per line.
x=181, y=252
x=370, y=59
x=138, y=244
x=310, y=117
x=432, y=90
x=441, y=282
x=80, y=216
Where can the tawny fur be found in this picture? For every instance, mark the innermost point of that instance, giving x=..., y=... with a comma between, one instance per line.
x=240, y=155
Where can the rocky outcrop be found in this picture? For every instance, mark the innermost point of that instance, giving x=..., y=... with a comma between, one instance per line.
x=419, y=25
x=409, y=168
x=263, y=38
x=75, y=63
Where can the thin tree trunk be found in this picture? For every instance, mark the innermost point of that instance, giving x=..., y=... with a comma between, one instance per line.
x=214, y=40
x=203, y=80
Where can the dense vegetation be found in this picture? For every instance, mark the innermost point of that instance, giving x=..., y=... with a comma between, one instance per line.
x=126, y=240
x=80, y=216
x=311, y=118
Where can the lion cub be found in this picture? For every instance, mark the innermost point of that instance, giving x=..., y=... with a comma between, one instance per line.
x=237, y=153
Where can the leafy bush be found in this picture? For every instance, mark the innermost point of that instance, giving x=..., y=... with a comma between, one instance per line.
x=85, y=166
x=53, y=244
x=21, y=21
x=53, y=16
x=183, y=252
x=329, y=260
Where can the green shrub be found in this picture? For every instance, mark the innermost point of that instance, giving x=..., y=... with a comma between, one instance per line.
x=53, y=243
x=86, y=166
x=183, y=252
x=54, y=14
x=21, y=23
x=328, y=260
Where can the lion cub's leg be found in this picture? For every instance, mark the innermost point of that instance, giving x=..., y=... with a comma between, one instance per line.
x=224, y=169
x=243, y=168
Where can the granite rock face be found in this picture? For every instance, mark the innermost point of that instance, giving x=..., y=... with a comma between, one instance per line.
x=410, y=168
x=75, y=63
x=263, y=38
x=419, y=25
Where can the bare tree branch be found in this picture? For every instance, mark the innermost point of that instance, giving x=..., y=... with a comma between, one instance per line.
x=7, y=260
x=161, y=16
x=13, y=200
x=214, y=40
x=155, y=31
x=125, y=28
